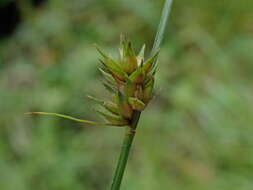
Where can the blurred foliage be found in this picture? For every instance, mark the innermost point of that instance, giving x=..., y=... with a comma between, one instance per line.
x=195, y=135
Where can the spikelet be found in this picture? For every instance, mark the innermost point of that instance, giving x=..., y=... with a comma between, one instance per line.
x=131, y=78
x=130, y=81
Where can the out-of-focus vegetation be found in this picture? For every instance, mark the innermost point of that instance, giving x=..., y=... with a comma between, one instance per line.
x=195, y=135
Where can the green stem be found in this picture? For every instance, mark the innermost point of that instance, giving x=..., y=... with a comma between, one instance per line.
x=129, y=136
x=162, y=26
x=130, y=131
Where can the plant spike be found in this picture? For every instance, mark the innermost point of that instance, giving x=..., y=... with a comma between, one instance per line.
x=131, y=83
x=143, y=94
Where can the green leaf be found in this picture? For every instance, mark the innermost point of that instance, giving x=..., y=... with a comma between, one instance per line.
x=66, y=117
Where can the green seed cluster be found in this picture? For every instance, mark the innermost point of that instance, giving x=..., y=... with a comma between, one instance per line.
x=130, y=79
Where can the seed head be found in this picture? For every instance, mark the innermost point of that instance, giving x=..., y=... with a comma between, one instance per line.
x=130, y=79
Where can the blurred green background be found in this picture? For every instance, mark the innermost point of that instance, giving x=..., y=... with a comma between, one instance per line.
x=195, y=135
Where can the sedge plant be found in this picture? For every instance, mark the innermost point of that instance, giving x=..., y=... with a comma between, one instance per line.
x=130, y=81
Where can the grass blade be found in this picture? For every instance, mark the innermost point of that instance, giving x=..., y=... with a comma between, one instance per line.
x=66, y=117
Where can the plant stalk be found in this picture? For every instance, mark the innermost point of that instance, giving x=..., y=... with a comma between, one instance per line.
x=130, y=130
x=126, y=146
x=162, y=26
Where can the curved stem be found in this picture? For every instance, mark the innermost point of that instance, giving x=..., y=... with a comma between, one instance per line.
x=126, y=146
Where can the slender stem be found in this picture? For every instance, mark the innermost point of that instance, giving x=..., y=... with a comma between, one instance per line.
x=130, y=131
x=162, y=26
x=126, y=146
